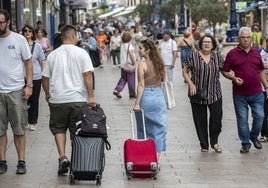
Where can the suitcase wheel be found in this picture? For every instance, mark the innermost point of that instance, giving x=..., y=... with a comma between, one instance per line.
x=154, y=177
x=129, y=177
x=98, y=180
x=72, y=181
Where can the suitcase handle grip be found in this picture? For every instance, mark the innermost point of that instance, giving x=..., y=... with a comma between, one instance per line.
x=132, y=123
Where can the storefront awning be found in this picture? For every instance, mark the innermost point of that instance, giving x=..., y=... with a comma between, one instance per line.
x=122, y=13
x=252, y=6
x=130, y=8
x=264, y=6
x=117, y=10
x=125, y=12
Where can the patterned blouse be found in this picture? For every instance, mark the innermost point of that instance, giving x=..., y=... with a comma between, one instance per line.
x=206, y=75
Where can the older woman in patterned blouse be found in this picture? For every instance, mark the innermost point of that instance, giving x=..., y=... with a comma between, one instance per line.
x=203, y=71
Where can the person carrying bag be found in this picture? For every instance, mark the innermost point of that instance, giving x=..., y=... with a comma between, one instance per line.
x=127, y=75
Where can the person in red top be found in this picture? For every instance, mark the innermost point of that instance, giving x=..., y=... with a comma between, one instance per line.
x=243, y=65
x=101, y=40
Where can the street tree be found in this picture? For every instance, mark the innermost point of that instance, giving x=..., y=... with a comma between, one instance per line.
x=145, y=11
x=212, y=10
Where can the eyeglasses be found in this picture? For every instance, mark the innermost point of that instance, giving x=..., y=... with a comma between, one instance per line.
x=2, y=22
x=207, y=42
x=245, y=37
x=27, y=30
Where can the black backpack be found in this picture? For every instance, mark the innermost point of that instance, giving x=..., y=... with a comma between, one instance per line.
x=91, y=122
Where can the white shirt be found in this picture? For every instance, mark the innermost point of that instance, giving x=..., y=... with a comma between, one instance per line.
x=38, y=56
x=115, y=42
x=166, y=50
x=264, y=57
x=124, y=58
x=14, y=49
x=64, y=68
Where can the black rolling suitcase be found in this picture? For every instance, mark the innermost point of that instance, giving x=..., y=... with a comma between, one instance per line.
x=88, y=145
x=88, y=159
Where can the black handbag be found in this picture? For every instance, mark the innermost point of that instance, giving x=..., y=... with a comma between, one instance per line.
x=201, y=95
x=95, y=57
x=91, y=122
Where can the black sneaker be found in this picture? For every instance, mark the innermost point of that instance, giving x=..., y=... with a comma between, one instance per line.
x=3, y=167
x=244, y=149
x=21, y=167
x=64, y=164
x=256, y=143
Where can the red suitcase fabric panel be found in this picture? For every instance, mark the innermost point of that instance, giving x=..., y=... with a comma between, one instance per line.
x=142, y=154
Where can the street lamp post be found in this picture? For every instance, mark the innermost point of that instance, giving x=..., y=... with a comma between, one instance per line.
x=182, y=22
x=232, y=33
x=156, y=6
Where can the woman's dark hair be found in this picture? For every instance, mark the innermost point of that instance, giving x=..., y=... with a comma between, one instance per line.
x=155, y=57
x=29, y=27
x=36, y=31
x=214, y=42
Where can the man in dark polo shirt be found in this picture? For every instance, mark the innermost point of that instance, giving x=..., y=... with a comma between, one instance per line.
x=243, y=65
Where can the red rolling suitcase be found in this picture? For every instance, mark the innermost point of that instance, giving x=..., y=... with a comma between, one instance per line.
x=140, y=154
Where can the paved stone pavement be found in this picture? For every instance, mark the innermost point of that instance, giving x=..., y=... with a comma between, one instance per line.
x=182, y=165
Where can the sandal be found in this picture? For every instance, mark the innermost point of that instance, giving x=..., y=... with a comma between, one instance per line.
x=217, y=148
x=117, y=94
x=204, y=150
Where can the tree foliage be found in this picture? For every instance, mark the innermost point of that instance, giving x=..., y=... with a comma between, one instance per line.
x=144, y=10
x=169, y=9
x=212, y=10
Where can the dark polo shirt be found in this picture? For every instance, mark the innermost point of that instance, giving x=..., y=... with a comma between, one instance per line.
x=246, y=66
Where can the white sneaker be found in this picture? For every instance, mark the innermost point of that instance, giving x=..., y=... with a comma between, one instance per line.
x=263, y=139
x=32, y=127
x=28, y=127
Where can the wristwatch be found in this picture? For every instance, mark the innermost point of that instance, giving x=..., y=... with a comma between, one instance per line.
x=30, y=85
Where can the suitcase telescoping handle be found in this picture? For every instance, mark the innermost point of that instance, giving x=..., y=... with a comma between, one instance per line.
x=132, y=115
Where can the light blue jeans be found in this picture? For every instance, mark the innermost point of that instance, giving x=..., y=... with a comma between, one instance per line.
x=241, y=103
x=169, y=72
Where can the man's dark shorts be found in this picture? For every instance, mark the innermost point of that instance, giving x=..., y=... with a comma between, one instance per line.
x=63, y=116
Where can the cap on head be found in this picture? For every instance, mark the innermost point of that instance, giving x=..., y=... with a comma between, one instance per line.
x=88, y=30
x=167, y=32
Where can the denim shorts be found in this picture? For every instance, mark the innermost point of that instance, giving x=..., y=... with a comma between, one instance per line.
x=63, y=116
x=13, y=110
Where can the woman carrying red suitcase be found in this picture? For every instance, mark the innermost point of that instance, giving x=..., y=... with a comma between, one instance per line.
x=150, y=96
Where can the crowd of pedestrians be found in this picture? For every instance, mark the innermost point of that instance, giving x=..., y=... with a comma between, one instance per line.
x=67, y=76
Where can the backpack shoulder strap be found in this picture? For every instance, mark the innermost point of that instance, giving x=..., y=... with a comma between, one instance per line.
x=32, y=48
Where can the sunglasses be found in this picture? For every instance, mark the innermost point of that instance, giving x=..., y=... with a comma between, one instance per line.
x=27, y=30
x=2, y=22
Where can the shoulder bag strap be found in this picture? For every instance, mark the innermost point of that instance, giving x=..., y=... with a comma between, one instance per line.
x=127, y=55
x=187, y=44
x=32, y=48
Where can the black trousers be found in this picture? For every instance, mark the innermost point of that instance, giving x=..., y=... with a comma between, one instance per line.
x=264, y=130
x=33, y=102
x=200, y=117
